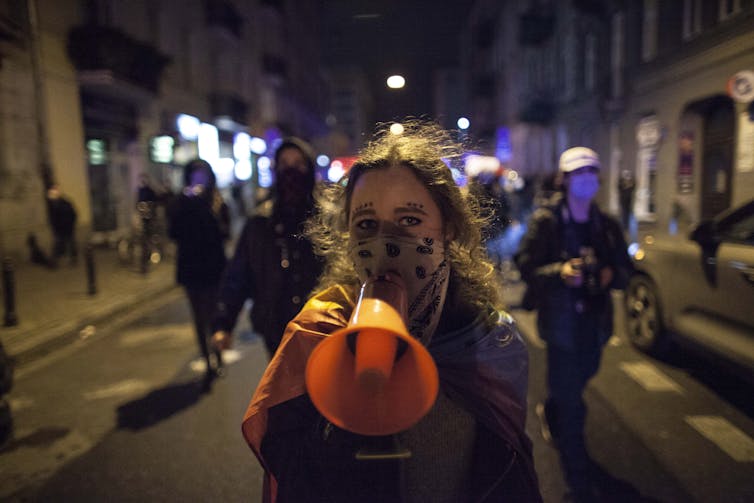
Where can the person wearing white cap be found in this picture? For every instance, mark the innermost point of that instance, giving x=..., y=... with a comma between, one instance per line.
x=571, y=256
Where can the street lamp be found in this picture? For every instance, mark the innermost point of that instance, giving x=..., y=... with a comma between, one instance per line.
x=463, y=123
x=396, y=82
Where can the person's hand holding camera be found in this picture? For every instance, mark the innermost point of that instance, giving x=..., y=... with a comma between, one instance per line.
x=572, y=272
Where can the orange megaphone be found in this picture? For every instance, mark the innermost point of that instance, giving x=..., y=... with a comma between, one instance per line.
x=372, y=377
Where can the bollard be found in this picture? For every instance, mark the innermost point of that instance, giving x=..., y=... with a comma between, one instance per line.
x=90, y=271
x=9, y=294
x=145, y=246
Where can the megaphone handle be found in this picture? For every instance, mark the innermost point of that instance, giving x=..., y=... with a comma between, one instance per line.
x=382, y=449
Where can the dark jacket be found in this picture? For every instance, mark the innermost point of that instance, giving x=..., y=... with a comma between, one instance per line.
x=200, y=234
x=541, y=255
x=62, y=216
x=274, y=266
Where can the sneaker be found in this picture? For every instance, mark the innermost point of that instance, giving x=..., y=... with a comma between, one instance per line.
x=544, y=426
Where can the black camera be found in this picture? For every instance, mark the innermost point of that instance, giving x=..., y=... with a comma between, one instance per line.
x=590, y=271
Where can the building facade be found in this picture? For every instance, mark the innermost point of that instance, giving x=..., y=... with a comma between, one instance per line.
x=657, y=87
x=92, y=92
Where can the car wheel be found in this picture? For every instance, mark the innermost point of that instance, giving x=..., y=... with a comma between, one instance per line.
x=644, y=325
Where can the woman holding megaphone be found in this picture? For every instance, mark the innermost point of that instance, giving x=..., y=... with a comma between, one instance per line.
x=401, y=379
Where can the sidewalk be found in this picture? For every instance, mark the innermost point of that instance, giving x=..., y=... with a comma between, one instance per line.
x=53, y=305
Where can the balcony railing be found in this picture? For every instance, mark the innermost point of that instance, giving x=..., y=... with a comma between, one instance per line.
x=93, y=47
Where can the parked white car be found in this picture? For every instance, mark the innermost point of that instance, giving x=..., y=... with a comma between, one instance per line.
x=697, y=290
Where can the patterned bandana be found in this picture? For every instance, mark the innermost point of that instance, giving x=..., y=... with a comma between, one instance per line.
x=422, y=264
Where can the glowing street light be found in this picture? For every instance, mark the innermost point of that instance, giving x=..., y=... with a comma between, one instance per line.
x=396, y=128
x=463, y=123
x=396, y=82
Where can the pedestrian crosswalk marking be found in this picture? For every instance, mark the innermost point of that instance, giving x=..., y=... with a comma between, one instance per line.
x=734, y=442
x=649, y=377
x=122, y=388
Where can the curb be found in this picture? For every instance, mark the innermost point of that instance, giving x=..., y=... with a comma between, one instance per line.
x=64, y=334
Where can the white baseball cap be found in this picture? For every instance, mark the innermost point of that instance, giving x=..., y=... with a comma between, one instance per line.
x=578, y=157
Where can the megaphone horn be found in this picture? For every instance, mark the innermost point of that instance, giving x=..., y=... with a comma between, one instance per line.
x=372, y=377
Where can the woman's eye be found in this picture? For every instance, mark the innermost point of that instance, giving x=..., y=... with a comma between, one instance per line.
x=409, y=221
x=366, y=224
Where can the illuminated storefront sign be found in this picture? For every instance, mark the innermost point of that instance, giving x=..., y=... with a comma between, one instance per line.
x=161, y=149
x=97, y=152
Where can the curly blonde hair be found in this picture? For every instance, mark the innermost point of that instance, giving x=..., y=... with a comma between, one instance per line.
x=425, y=148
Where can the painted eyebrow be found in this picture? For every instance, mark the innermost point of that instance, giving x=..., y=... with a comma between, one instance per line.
x=400, y=211
x=410, y=209
x=362, y=211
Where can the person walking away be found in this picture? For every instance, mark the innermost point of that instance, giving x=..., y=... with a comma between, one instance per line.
x=273, y=264
x=572, y=255
x=62, y=218
x=400, y=213
x=146, y=207
x=199, y=223
x=626, y=187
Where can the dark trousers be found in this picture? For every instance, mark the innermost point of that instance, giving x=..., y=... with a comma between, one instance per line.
x=65, y=244
x=203, y=300
x=568, y=372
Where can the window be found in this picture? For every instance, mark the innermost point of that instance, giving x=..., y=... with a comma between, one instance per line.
x=590, y=61
x=648, y=135
x=739, y=227
x=569, y=66
x=692, y=18
x=617, y=55
x=649, y=31
x=729, y=8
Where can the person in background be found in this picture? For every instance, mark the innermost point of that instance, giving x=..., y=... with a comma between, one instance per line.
x=62, y=217
x=273, y=264
x=400, y=211
x=572, y=255
x=626, y=188
x=146, y=207
x=199, y=222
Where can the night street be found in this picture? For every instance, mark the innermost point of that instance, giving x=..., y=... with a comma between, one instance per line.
x=364, y=172
x=121, y=417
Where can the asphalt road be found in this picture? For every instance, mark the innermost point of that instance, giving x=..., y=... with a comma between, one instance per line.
x=120, y=416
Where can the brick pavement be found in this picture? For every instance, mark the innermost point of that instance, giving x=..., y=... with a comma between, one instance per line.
x=53, y=306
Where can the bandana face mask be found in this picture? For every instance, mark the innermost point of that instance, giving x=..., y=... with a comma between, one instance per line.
x=422, y=264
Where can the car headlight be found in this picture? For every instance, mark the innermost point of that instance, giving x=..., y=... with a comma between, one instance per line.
x=636, y=251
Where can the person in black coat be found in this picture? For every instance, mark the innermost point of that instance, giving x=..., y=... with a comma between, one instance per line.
x=62, y=217
x=199, y=223
x=273, y=264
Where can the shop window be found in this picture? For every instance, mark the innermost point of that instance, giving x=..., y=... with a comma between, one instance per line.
x=648, y=136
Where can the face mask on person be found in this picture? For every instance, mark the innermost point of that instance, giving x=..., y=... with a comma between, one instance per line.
x=294, y=187
x=422, y=264
x=584, y=186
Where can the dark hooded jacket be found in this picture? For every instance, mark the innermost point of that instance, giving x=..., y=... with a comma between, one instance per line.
x=273, y=264
x=199, y=224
